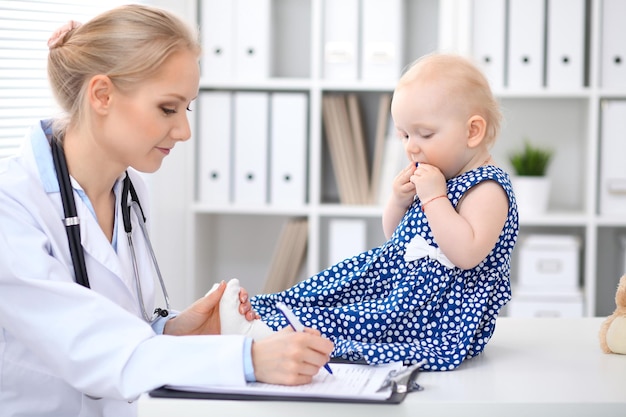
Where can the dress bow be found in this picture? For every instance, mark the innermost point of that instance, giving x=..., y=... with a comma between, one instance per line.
x=418, y=248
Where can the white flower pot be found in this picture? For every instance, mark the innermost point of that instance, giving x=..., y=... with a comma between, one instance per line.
x=532, y=195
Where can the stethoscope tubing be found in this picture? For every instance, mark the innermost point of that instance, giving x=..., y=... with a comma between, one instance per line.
x=158, y=312
x=144, y=230
x=71, y=220
x=72, y=227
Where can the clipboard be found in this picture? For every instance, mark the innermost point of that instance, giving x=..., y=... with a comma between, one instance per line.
x=395, y=387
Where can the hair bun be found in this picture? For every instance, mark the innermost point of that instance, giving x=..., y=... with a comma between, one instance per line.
x=58, y=37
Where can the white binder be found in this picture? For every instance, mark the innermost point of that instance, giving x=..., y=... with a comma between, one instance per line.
x=217, y=37
x=381, y=39
x=251, y=130
x=214, y=143
x=565, y=66
x=488, y=43
x=613, y=46
x=340, y=39
x=288, y=148
x=394, y=161
x=526, y=44
x=612, y=187
x=253, y=39
x=346, y=238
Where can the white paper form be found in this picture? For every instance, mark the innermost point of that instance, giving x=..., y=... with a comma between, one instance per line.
x=347, y=381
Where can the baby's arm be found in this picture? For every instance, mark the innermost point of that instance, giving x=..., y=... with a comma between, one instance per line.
x=400, y=199
x=468, y=234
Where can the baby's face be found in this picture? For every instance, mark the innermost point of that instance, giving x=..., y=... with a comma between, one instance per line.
x=432, y=125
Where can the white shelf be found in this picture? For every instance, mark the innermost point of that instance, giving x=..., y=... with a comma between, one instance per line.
x=270, y=84
x=200, y=208
x=574, y=219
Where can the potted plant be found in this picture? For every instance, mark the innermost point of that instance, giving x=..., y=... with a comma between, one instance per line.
x=531, y=160
x=530, y=183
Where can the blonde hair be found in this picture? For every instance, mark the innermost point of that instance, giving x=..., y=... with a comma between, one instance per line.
x=463, y=81
x=128, y=44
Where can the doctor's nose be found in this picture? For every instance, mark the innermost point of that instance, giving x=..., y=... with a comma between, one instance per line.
x=182, y=130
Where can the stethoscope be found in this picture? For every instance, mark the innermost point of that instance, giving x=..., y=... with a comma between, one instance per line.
x=72, y=227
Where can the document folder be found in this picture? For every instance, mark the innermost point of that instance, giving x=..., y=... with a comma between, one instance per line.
x=352, y=383
x=489, y=39
x=526, y=44
x=341, y=39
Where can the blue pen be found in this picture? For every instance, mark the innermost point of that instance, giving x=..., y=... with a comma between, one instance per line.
x=295, y=323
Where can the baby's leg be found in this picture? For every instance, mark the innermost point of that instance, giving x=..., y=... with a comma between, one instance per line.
x=232, y=321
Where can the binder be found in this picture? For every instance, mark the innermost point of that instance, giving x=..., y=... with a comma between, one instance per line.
x=488, y=43
x=253, y=39
x=340, y=33
x=526, y=44
x=346, y=238
x=217, y=37
x=288, y=148
x=215, y=147
x=289, y=256
x=613, y=47
x=612, y=187
x=565, y=66
x=394, y=161
x=381, y=39
x=351, y=383
x=382, y=126
x=251, y=131
x=355, y=129
x=339, y=138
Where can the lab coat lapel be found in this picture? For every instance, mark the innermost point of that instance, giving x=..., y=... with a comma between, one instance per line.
x=95, y=244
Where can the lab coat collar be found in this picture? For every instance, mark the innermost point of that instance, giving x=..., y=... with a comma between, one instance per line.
x=40, y=144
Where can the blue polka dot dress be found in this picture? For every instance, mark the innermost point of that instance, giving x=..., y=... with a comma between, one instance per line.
x=404, y=301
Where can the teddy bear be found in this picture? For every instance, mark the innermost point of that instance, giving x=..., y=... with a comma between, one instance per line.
x=613, y=329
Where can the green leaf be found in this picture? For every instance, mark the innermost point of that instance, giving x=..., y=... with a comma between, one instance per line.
x=531, y=160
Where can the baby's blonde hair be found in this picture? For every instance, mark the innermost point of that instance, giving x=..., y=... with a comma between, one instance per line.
x=463, y=80
x=128, y=44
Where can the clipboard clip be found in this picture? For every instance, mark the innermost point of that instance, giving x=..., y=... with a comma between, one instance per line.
x=403, y=380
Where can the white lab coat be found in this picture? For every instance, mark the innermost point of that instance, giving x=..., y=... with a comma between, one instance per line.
x=63, y=345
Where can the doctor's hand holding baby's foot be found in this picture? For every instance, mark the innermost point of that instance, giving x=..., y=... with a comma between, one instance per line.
x=236, y=314
x=202, y=317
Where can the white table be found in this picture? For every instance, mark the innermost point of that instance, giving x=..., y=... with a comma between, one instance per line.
x=531, y=367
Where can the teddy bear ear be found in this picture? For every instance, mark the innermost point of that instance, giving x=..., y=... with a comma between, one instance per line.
x=620, y=295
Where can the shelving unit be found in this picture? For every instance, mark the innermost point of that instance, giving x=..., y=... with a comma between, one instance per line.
x=237, y=241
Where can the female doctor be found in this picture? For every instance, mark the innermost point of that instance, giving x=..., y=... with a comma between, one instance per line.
x=78, y=336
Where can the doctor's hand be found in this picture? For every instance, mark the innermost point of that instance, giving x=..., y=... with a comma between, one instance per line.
x=290, y=358
x=202, y=317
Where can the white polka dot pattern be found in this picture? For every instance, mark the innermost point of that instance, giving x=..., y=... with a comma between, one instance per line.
x=378, y=308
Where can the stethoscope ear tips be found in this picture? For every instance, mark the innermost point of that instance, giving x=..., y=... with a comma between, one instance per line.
x=161, y=312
